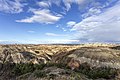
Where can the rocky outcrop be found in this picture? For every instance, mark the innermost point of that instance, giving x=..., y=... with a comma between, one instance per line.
x=95, y=57
x=30, y=53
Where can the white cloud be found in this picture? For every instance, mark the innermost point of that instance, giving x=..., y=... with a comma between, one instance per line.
x=60, y=27
x=49, y=41
x=79, y=1
x=42, y=16
x=108, y=32
x=9, y=42
x=68, y=3
x=102, y=27
x=43, y=4
x=31, y=31
x=71, y=23
x=82, y=4
x=57, y=26
x=60, y=41
x=92, y=11
x=64, y=41
x=53, y=34
x=56, y=2
x=11, y=6
x=64, y=29
x=55, y=41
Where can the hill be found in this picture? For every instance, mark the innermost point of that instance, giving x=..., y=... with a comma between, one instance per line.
x=94, y=61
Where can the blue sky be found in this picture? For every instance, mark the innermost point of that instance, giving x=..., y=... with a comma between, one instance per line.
x=59, y=21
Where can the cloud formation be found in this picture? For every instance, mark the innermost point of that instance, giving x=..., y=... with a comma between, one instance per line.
x=97, y=20
x=60, y=41
x=68, y=3
x=11, y=6
x=53, y=34
x=30, y=31
x=42, y=16
x=44, y=4
x=103, y=27
x=71, y=23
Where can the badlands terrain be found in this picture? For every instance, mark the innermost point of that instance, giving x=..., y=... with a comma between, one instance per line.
x=95, y=61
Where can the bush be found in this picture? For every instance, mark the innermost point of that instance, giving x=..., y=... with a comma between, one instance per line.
x=40, y=74
x=39, y=66
x=93, y=73
x=106, y=73
x=96, y=73
x=20, y=69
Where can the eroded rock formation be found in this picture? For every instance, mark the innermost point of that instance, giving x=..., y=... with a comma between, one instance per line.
x=73, y=56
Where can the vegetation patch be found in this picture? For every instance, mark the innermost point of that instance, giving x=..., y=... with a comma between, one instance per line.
x=40, y=74
x=93, y=73
x=96, y=73
x=22, y=68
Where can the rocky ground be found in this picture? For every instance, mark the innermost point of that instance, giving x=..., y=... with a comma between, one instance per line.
x=94, y=61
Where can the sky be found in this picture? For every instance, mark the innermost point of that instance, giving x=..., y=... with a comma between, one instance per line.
x=59, y=21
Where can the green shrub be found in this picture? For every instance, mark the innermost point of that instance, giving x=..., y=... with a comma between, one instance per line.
x=39, y=66
x=40, y=74
x=106, y=73
x=96, y=73
x=20, y=69
x=93, y=73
